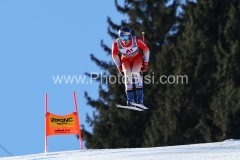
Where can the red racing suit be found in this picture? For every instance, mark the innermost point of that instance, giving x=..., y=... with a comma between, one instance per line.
x=131, y=60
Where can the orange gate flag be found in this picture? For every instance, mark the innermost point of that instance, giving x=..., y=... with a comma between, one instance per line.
x=62, y=125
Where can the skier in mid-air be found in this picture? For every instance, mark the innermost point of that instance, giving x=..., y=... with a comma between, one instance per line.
x=134, y=59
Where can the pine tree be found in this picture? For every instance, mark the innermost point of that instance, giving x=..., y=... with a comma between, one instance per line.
x=226, y=104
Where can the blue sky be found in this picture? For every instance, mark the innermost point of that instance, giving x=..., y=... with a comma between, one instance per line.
x=40, y=39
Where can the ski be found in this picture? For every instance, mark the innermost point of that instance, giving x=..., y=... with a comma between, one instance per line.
x=129, y=107
x=139, y=105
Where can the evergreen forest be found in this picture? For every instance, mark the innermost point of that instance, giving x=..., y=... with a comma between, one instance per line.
x=195, y=45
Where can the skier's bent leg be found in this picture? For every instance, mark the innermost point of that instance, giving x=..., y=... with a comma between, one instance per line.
x=126, y=64
x=137, y=64
x=138, y=79
x=128, y=80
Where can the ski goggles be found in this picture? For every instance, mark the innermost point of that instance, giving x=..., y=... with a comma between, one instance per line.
x=125, y=38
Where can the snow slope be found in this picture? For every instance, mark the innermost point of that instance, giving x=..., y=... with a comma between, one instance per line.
x=227, y=150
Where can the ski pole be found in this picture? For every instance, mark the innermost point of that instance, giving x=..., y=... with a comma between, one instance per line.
x=143, y=42
x=143, y=36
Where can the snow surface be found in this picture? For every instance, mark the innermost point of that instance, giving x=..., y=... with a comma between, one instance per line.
x=226, y=150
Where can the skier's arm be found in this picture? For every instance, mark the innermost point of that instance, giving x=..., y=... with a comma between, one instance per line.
x=116, y=58
x=145, y=50
x=115, y=54
x=146, y=54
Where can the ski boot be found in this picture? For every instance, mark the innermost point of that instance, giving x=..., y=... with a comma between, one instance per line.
x=130, y=97
x=139, y=96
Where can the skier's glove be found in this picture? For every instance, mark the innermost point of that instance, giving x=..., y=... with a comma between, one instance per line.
x=144, y=67
x=120, y=70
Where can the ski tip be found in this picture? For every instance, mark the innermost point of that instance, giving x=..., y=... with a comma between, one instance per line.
x=139, y=105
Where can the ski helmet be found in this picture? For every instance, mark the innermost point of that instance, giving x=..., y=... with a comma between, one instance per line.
x=124, y=33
